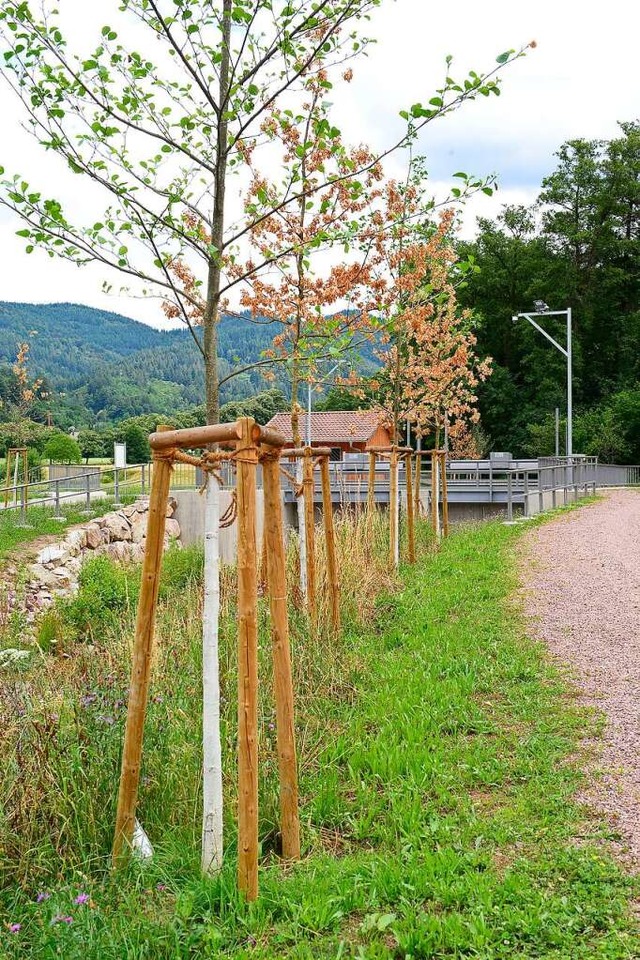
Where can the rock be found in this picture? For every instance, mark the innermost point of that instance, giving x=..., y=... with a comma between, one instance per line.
x=138, y=527
x=136, y=552
x=44, y=576
x=172, y=503
x=93, y=536
x=51, y=554
x=117, y=526
x=63, y=575
x=119, y=550
x=75, y=542
x=172, y=529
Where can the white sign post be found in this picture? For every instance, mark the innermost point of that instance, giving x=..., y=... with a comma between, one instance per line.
x=119, y=463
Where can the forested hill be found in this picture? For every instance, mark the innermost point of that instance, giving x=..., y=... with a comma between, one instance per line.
x=102, y=364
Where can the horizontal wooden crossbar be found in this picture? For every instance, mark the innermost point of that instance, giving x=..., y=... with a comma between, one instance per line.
x=213, y=433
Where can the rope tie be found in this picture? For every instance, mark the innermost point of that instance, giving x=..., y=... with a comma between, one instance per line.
x=230, y=515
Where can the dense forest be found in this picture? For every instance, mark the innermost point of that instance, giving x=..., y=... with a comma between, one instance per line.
x=577, y=246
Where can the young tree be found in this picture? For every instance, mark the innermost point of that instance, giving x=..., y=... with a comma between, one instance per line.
x=62, y=448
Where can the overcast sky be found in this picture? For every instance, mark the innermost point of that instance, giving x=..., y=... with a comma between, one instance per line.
x=579, y=81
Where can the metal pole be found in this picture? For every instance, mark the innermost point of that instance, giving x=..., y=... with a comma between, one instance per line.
x=509, y=495
x=569, y=388
x=88, y=480
x=58, y=515
x=557, y=431
x=116, y=475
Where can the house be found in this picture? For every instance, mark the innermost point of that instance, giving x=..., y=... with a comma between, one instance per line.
x=345, y=431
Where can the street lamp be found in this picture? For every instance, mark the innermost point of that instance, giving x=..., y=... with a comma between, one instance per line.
x=310, y=392
x=542, y=310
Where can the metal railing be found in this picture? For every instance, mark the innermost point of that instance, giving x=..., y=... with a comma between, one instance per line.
x=618, y=475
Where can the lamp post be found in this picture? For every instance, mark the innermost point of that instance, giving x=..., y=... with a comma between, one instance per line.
x=309, y=394
x=542, y=310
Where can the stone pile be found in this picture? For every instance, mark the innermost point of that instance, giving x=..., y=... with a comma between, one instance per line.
x=120, y=535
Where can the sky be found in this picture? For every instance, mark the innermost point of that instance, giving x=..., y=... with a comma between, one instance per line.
x=579, y=81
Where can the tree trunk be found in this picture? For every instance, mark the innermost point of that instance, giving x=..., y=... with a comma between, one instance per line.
x=211, y=742
x=212, y=761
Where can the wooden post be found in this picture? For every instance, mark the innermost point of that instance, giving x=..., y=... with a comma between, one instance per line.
x=445, y=494
x=411, y=533
x=434, y=491
x=247, y=663
x=283, y=684
x=309, y=532
x=416, y=486
x=371, y=486
x=329, y=536
x=142, y=651
x=393, y=509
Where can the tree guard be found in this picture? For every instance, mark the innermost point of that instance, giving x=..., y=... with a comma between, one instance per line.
x=311, y=457
x=251, y=443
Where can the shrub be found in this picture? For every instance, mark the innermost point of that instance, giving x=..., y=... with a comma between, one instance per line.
x=106, y=591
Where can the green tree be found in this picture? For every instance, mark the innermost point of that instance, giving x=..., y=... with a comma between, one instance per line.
x=61, y=448
x=138, y=449
x=91, y=444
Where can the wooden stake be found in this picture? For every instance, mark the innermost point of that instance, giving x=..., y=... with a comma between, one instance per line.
x=416, y=486
x=309, y=533
x=371, y=486
x=283, y=683
x=393, y=509
x=411, y=532
x=329, y=536
x=434, y=491
x=445, y=501
x=142, y=651
x=247, y=663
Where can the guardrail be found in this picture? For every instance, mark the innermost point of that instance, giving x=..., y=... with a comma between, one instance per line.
x=618, y=475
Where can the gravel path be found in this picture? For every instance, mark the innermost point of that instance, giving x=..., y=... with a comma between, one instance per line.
x=581, y=579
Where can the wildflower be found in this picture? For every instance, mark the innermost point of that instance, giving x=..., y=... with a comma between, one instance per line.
x=88, y=699
x=60, y=918
x=42, y=896
x=108, y=720
x=82, y=898
x=161, y=887
x=15, y=927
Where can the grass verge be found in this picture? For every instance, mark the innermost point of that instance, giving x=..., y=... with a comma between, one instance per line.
x=436, y=781
x=40, y=521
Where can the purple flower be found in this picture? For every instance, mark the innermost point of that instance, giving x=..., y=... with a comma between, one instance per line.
x=161, y=887
x=88, y=699
x=108, y=720
x=82, y=898
x=42, y=896
x=15, y=927
x=60, y=918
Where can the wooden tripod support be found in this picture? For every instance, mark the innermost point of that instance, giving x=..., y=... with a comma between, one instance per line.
x=251, y=443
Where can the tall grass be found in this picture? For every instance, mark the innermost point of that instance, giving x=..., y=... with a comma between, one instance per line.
x=62, y=716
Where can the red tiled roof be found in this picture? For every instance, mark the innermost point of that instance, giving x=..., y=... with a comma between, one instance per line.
x=331, y=426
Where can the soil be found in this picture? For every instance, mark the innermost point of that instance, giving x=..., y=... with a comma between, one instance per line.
x=581, y=581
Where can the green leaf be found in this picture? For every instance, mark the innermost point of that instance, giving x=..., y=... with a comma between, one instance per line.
x=504, y=56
